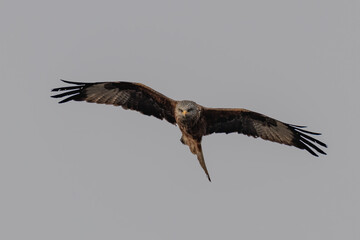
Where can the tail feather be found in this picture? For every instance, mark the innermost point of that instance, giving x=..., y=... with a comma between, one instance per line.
x=195, y=148
x=201, y=159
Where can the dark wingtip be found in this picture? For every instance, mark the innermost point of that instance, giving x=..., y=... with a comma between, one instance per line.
x=64, y=101
x=56, y=89
x=71, y=91
x=306, y=141
x=297, y=126
x=70, y=82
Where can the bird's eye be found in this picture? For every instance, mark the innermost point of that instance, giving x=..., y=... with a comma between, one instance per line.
x=190, y=109
x=180, y=110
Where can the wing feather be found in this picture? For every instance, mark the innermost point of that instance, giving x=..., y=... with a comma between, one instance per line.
x=134, y=96
x=223, y=120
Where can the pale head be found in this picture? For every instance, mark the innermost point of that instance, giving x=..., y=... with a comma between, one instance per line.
x=187, y=111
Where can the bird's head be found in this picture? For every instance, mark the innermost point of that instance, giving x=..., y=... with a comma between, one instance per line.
x=187, y=111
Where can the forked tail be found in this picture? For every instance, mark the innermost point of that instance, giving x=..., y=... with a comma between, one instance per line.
x=195, y=148
x=201, y=159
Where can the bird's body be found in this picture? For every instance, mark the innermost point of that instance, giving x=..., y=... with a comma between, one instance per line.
x=193, y=120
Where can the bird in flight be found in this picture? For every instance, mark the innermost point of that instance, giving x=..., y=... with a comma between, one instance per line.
x=194, y=120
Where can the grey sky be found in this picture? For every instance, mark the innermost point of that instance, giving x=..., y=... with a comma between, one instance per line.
x=87, y=171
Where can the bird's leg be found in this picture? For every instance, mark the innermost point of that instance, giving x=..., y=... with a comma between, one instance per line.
x=182, y=140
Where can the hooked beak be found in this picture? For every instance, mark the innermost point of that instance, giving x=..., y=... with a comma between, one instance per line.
x=184, y=113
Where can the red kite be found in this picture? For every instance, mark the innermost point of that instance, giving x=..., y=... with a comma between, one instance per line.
x=194, y=120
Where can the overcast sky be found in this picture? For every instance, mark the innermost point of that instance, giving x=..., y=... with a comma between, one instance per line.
x=88, y=171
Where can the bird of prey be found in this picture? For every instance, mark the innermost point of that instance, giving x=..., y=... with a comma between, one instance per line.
x=194, y=120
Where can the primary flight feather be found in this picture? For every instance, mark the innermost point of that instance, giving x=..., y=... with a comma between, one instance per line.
x=194, y=120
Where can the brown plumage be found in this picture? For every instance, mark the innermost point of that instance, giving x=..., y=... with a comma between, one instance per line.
x=194, y=120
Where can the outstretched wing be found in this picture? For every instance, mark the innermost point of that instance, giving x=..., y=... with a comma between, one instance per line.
x=134, y=96
x=222, y=120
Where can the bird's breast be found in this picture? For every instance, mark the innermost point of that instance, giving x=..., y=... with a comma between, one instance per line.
x=191, y=129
